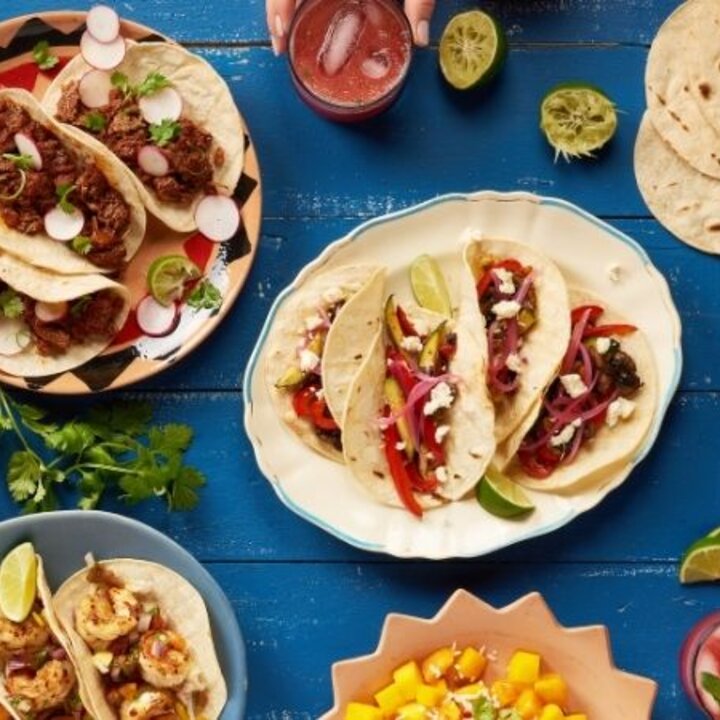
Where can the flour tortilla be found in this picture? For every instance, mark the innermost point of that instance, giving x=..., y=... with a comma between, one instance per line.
x=471, y=441
x=47, y=287
x=545, y=344
x=41, y=250
x=207, y=101
x=180, y=603
x=685, y=201
x=345, y=348
x=611, y=447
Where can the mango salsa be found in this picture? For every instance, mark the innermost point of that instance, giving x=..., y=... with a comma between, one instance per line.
x=552, y=689
x=524, y=668
x=408, y=678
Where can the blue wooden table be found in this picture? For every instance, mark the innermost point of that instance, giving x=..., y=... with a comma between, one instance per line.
x=305, y=600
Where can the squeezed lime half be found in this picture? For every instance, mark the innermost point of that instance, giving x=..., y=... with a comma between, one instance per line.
x=168, y=277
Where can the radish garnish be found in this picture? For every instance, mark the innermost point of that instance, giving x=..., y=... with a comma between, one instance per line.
x=165, y=104
x=64, y=226
x=157, y=320
x=153, y=161
x=217, y=217
x=26, y=146
x=103, y=23
x=14, y=336
x=94, y=89
x=103, y=56
x=49, y=312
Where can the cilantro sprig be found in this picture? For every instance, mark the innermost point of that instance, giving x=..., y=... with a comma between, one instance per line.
x=11, y=304
x=112, y=449
x=20, y=160
x=63, y=192
x=205, y=296
x=43, y=56
x=154, y=82
x=95, y=121
x=164, y=132
x=82, y=244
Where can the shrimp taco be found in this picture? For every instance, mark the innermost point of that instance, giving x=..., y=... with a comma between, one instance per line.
x=167, y=115
x=52, y=323
x=39, y=679
x=318, y=342
x=142, y=639
x=596, y=412
x=65, y=205
x=524, y=303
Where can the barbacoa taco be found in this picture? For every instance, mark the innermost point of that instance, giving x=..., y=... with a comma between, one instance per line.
x=65, y=205
x=39, y=678
x=418, y=424
x=318, y=343
x=52, y=323
x=142, y=639
x=597, y=411
x=167, y=115
x=523, y=300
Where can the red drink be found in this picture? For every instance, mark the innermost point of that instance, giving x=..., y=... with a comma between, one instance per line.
x=699, y=658
x=349, y=58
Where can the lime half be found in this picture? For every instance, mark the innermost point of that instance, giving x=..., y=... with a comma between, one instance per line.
x=18, y=582
x=472, y=49
x=429, y=286
x=168, y=277
x=701, y=562
x=500, y=496
x=577, y=119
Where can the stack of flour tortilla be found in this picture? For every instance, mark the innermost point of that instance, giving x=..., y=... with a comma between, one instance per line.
x=677, y=152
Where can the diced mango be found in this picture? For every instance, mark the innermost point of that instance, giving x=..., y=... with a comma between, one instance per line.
x=361, y=711
x=389, y=699
x=430, y=696
x=576, y=716
x=552, y=712
x=524, y=668
x=450, y=711
x=470, y=690
x=528, y=705
x=408, y=677
x=505, y=692
x=441, y=685
x=412, y=711
x=552, y=689
x=437, y=664
x=471, y=664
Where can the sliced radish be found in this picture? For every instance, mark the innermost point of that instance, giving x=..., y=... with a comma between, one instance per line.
x=217, y=217
x=63, y=226
x=157, y=320
x=49, y=312
x=26, y=146
x=165, y=104
x=153, y=161
x=94, y=88
x=103, y=56
x=14, y=336
x=103, y=23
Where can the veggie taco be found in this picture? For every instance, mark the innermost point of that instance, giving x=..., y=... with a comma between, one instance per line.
x=52, y=323
x=143, y=642
x=65, y=205
x=167, y=115
x=317, y=344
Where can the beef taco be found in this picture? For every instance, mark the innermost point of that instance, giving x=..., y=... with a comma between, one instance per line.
x=52, y=323
x=167, y=115
x=142, y=639
x=597, y=411
x=523, y=300
x=317, y=344
x=65, y=205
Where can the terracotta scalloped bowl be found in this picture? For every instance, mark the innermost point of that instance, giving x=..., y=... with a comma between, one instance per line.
x=582, y=655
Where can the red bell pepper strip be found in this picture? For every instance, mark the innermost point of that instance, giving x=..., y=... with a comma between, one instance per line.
x=321, y=416
x=407, y=327
x=484, y=283
x=308, y=405
x=399, y=472
x=533, y=467
x=514, y=266
x=420, y=483
x=608, y=330
x=302, y=401
x=595, y=312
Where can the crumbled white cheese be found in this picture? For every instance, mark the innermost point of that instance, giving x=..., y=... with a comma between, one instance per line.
x=507, y=285
x=602, y=345
x=477, y=452
x=441, y=474
x=400, y=446
x=566, y=434
x=411, y=343
x=514, y=362
x=313, y=322
x=470, y=234
x=620, y=409
x=333, y=295
x=441, y=396
x=320, y=393
x=506, y=309
x=308, y=360
x=573, y=384
x=440, y=432
x=614, y=272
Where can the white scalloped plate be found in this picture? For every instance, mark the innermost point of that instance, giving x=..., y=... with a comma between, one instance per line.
x=590, y=253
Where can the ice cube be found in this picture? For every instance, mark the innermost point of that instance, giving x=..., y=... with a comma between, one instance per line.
x=377, y=65
x=373, y=12
x=341, y=38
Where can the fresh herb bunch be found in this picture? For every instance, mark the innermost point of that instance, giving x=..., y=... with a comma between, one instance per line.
x=112, y=448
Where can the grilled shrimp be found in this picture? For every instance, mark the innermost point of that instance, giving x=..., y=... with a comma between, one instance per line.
x=48, y=688
x=27, y=635
x=148, y=704
x=105, y=615
x=164, y=658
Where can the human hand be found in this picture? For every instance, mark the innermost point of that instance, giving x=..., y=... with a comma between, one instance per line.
x=280, y=12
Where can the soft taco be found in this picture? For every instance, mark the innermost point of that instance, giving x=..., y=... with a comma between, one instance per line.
x=597, y=411
x=418, y=424
x=317, y=344
x=142, y=639
x=52, y=323
x=39, y=677
x=524, y=303
x=167, y=115
x=65, y=205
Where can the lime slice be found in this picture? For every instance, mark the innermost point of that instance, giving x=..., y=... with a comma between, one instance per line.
x=500, y=496
x=472, y=49
x=713, y=533
x=429, y=287
x=18, y=582
x=168, y=276
x=577, y=119
x=701, y=563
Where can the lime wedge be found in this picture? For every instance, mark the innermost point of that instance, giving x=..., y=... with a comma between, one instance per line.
x=429, y=287
x=577, y=119
x=168, y=277
x=500, y=496
x=18, y=582
x=714, y=533
x=472, y=49
x=701, y=562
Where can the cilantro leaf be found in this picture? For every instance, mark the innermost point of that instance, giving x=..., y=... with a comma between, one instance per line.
x=72, y=438
x=170, y=438
x=11, y=304
x=127, y=418
x=711, y=684
x=63, y=191
x=164, y=132
x=20, y=160
x=205, y=296
x=121, y=82
x=43, y=56
x=24, y=475
x=151, y=84
x=95, y=121
x=81, y=244
x=183, y=493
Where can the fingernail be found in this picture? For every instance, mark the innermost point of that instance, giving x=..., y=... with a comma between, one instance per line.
x=279, y=27
x=422, y=32
x=275, y=45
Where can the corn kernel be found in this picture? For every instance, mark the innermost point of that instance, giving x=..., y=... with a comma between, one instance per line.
x=389, y=699
x=552, y=712
x=437, y=664
x=408, y=677
x=361, y=711
x=552, y=689
x=430, y=696
x=471, y=664
x=528, y=705
x=524, y=668
x=412, y=711
x=450, y=711
x=504, y=692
